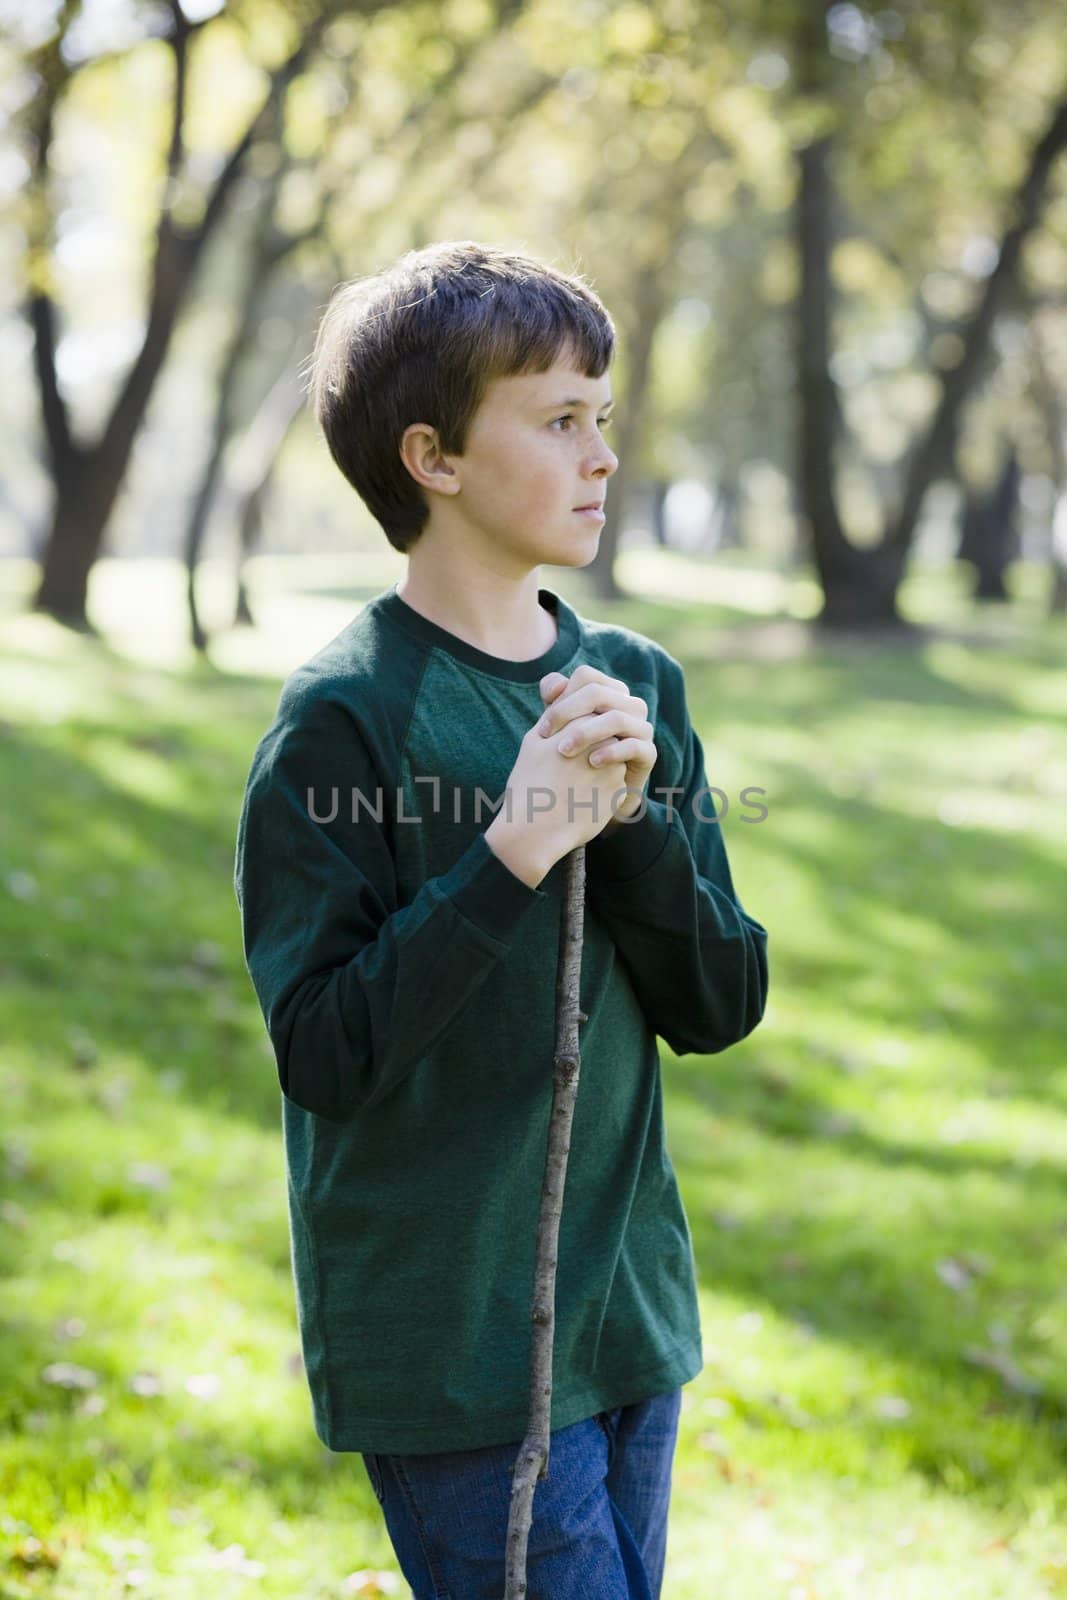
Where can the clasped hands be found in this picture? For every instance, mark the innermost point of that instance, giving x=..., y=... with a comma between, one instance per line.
x=604, y=722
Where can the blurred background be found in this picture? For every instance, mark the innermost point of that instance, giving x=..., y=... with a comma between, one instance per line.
x=834, y=242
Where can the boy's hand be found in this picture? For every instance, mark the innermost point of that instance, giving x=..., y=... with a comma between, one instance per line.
x=605, y=721
x=601, y=715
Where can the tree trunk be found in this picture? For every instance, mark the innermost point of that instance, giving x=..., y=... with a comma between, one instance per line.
x=860, y=586
x=649, y=302
x=87, y=487
x=197, y=527
x=70, y=547
x=1057, y=600
x=724, y=528
x=652, y=290
x=254, y=473
x=250, y=531
x=1046, y=396
x=222, y=426
x=82, y=507
x=989, y=540
x=659, y=489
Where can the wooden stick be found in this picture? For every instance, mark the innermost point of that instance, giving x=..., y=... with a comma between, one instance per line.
x=531, y=1463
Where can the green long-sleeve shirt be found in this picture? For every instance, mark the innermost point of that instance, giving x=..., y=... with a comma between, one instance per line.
x=407, y=980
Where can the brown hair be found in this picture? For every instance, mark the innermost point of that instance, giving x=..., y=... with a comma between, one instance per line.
x=421, y=342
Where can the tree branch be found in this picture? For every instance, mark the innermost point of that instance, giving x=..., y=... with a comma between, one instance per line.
x=177, y=256
x=955, y=384
x=53, y=74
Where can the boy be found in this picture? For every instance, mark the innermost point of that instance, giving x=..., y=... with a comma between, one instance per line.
x=404, y=953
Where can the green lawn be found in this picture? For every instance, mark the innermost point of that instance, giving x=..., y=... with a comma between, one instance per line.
x=875, y=1180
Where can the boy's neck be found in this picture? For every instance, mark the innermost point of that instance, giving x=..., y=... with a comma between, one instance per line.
x=489, y=610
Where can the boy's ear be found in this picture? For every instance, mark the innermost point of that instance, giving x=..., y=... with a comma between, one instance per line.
x=421, y=453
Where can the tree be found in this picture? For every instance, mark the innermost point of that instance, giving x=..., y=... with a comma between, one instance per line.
x=989, y=535
x=860, y=585
x=426, y=120
x=87, y=475
x=650, y=295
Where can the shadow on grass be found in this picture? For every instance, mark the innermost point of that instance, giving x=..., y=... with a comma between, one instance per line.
x=120, y=921
x=126, y=826
x=913, y=905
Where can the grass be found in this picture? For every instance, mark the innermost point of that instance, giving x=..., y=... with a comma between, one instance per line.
x=875, y=1179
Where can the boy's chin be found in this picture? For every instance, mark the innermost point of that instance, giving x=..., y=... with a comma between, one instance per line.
x=569, y=558
x=578, y=552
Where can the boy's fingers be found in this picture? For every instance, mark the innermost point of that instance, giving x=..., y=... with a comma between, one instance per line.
x=551, y=685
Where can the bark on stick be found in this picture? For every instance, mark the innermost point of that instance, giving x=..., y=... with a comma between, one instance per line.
x=531, y=1463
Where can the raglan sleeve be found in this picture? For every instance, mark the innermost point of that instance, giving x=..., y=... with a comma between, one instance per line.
x=354, y=987
x=662, y=885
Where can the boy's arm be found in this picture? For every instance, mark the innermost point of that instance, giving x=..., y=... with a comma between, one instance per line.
x=353, y=987
x=662, y=886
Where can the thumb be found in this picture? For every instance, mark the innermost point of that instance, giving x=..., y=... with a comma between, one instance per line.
x=551, y=686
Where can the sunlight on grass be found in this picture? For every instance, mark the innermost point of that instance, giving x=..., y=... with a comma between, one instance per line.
x=875, y=1180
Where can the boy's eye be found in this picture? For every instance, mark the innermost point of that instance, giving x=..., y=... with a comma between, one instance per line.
x=568, y=416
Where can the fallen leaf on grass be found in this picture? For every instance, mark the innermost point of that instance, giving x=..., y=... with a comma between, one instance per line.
x=792, y=1261
x=204, y=1385
x=233, y=1559
x=148, y=1175
x=32, y=1552
x=1000, y=1362
x=17, y=1157
x=892, y=1407
x=717, y=1405
x=367, y=1581
x=65, y=1375
x=954, y=1274
x=146, y=1384
x=113, y=1096
x=206, y=954
x=734, y=1473
x=1054, y=1572
x=789, y=1411
x=835, y=1124
x=773, y=1082
x=83, y=1051
x=12, y=1213
x=23, y=885
x=847, y=1061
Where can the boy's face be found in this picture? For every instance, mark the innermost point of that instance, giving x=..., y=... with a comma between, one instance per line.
x=534, y=454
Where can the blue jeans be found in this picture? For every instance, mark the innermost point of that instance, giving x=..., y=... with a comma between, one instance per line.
x=599, y=1529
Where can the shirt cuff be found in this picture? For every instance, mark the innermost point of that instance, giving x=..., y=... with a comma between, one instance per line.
x=631, y=848
x=487, y=892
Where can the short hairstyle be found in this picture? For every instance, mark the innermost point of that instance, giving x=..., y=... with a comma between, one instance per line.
x=421, y=341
